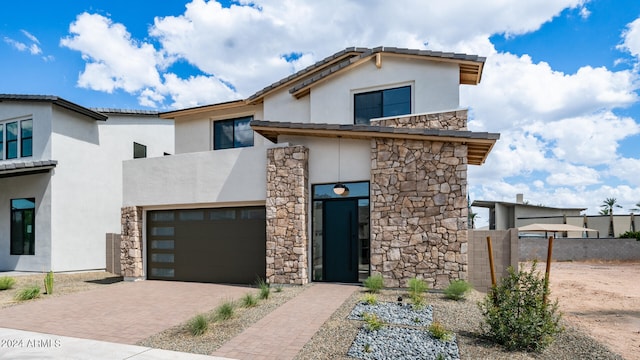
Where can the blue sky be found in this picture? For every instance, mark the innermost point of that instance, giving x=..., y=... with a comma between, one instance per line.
x=560, y=83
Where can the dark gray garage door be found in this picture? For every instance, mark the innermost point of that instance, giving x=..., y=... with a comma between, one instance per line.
x=225, y=245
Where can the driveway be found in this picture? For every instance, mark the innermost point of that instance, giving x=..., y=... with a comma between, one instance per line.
x=124, y=313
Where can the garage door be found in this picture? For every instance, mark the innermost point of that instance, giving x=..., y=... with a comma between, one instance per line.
x=223, y=245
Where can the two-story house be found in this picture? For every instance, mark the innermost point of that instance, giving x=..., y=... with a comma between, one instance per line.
x=356, y=165
x=61, y=178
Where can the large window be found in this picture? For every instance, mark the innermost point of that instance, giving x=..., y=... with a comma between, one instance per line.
x=382, y=103
x=16, y=139
x=233, y=133
x=23, y=214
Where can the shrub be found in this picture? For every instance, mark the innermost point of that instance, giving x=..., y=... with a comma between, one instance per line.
x=6, y=282
x=370, y=299
x=225, y=311
x=198, y=325
x=372, y=322
x=457, y=290
x=278, y=288
x=29, y=293
x=631, y=235
x=48, y=283
x=438, y=331
x=374, y=283
x=248, y=300
x=265, y=290
x=516, y=314
x=416, y=288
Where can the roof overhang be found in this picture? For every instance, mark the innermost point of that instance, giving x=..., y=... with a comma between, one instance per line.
x=202, y=109
x=479, y=144
x=56, y=101
x=26, y=168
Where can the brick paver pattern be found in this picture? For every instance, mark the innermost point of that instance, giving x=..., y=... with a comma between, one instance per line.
x=123, y=313
x=283, y=332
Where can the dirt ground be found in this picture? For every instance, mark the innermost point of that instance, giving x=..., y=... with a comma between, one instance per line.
x=603, y=299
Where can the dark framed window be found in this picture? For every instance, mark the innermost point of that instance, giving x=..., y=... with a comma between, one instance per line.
x=232, y=133
x=381, y=103
x=139, y=151
x=23, y=219
x=16, y=139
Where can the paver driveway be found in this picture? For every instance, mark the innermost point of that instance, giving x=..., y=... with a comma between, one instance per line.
x=123, y=313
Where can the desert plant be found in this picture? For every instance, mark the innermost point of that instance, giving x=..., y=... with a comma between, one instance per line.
x=516, y=313
x=631, y=235
x=440, y=357
x=29, y=293
x=372, y=322
x=367, y=348
x=6, y=282
x=264, y=288
x=374, y=283
x=249, y=300
x=278, y=288
x=438, y=331
x=457, y=290
x=225, y=311
x=198, y=325
x=48, y=283
x=416, y=288
x=370, y=299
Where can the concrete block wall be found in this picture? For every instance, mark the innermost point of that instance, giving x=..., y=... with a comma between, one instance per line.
x=505, y=254
x=567, y=249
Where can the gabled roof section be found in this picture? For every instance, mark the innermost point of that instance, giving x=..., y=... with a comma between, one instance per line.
x=479, y=144
x=470, y=65
x=55, y=100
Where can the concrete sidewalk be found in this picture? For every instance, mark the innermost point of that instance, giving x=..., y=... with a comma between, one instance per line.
x=283, y=332
x=18, y=344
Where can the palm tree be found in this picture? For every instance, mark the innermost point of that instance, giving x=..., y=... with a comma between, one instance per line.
x=604, y=212
x=637, y=208
x=472, y=219
x=608, y=204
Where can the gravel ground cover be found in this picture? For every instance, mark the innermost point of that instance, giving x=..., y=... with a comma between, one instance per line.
x=398, y=313
x=64, y=283
x=178, y=338
x=336, y=336
x=394, y=342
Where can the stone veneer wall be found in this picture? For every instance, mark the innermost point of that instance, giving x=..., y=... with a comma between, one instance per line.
x=419, y=204
x=287, y=215
x=131, y=243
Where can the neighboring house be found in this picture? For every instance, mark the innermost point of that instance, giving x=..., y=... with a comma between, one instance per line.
x=506, y=215
x=356, y=165
x=61, y=178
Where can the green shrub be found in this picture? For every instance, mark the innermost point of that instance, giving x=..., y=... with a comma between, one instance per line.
x=370, y=299
x=6, y=282
x=249, y=300
x=265, y=289
x=198, y=325
x=517, y=315
x=416, y=288
x=457, y=290
x=372, y=322
x=278, y=288
x=48, y=283
x=438, y=331
x=631, y=235
x=374, y=283
x=225, y=311
x=29, y=293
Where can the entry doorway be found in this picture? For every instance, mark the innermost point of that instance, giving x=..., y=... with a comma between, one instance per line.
x=341, y=235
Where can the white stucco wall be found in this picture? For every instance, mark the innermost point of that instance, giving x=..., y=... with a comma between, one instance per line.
x=29, y=186
x=87, y=185
x=229, y=176
x=434, y=87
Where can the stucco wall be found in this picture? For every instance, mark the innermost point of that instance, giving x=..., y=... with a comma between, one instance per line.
x=40, y=113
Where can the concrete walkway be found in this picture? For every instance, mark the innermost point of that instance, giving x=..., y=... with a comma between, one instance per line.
x=283, y=332
x=18, y=344
x=122, y=313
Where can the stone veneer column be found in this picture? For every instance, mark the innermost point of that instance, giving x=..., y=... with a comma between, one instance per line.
x=131, y=243
x=419, y=204
x=287, y=215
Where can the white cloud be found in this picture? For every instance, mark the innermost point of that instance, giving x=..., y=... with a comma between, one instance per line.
x=627, y=169
x=30, y=36
x=631, y=38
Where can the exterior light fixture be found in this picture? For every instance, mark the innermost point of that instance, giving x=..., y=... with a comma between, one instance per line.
x=340, y=189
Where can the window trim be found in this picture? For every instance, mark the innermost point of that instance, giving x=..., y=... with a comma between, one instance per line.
x=18, y=142
x=235, y=117
x=410, y=84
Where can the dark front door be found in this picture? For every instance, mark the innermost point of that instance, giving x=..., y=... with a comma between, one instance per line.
x=341, y=240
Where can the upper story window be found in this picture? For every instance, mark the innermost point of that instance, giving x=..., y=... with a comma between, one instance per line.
x=232, y=133
x=139, y=151
x=16, y=139
x=381, y=103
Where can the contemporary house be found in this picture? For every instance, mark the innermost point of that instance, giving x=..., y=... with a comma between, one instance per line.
x=356, y=165
x=61, y=178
